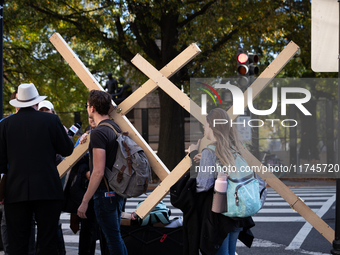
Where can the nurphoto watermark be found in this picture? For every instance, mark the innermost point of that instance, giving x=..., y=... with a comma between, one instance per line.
x=285, y=124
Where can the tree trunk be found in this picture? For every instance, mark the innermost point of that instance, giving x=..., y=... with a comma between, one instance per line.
x=171, y=132
x=309, y=138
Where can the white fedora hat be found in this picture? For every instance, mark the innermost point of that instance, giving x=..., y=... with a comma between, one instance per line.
x=27, y=96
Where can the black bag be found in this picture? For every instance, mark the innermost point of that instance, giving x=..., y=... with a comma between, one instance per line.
x=152, y=240
x=76, y=185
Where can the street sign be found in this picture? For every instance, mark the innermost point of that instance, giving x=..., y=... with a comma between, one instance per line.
x=325, y=35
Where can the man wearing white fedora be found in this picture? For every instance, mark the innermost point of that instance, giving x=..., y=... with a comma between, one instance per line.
x=29, y=142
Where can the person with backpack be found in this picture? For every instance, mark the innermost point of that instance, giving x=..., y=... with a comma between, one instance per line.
x=102, y=150
x=225, y=138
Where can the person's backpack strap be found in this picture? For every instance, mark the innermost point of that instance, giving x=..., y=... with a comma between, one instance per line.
x=210, y=147
x=145, y=221
x=160, y=216
x=109, y=125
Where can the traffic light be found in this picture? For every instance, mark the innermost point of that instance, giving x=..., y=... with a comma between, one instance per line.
x=242, y=68
x=246, y=68
x=253, y=69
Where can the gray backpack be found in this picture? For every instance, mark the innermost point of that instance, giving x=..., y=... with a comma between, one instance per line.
x=131, y=171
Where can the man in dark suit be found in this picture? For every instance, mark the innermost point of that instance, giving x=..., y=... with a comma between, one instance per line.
x=29, y=142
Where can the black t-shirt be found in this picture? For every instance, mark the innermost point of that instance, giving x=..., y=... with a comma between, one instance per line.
x=103, y=137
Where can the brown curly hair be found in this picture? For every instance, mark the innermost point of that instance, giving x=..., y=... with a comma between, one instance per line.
x=101, y=101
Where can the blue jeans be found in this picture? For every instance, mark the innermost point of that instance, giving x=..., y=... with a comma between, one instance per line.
x=108, y=213
x=228, y=246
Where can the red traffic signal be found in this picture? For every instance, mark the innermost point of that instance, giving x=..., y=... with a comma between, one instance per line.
x=246, y=68
x=242, y=58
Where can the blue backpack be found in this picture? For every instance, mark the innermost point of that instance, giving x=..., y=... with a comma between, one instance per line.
x=160, y=213
x=243, y=191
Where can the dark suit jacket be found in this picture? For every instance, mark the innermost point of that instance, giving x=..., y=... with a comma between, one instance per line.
x=29, y=142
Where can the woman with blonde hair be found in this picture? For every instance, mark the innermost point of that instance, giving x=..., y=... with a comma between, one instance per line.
x=227, y=145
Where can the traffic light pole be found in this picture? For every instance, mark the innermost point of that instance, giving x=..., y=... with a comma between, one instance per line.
x=1, y=55
x=336, y=242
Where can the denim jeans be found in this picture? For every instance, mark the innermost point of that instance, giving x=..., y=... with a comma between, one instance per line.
x=228, y=246
x=108, y=213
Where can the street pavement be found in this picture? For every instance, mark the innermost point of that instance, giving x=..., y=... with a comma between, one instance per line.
x=278, y=230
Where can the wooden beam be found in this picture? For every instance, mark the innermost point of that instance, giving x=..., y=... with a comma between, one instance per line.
x=74, y=62
x=91, y=83
x=168, y=87
x=170, y=69
x=71, y=160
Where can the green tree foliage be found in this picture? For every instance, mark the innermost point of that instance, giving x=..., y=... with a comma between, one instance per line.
x=105, y=32
x=30, y=57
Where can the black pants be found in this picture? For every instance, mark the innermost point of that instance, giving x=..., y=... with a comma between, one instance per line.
x=19, y=218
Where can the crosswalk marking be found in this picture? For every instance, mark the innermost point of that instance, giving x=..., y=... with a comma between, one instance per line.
x=278, y=219
x=264, y=210
x=285, y=203
x=314, y=197
x=302, y=197
x=305, y=194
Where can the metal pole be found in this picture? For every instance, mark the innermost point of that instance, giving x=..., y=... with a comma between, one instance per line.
x=293, y=138
x=330, y=131
x=1, y=55
x=336, y=242
x=255, y=137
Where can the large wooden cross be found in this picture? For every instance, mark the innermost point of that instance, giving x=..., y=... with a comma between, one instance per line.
x=160, y=79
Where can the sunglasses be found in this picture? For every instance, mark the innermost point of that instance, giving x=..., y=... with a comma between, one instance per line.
x=86, y=105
